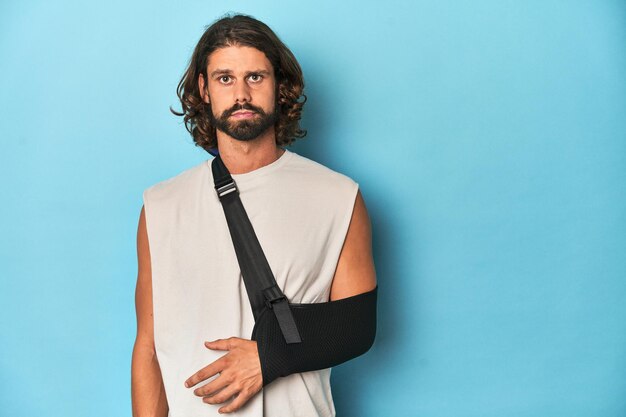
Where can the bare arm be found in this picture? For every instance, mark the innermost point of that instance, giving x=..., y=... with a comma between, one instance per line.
x=355, y=273
x=148, y=393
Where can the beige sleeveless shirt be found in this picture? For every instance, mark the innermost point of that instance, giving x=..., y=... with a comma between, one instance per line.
x=300, y=211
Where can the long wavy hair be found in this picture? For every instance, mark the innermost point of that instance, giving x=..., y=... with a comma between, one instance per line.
x=242, y=30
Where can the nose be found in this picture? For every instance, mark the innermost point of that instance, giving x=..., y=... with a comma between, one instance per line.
x=242, y=92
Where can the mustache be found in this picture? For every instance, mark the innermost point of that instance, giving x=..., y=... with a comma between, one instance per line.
x=244, y=106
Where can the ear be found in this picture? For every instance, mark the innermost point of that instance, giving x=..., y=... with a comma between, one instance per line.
x=203, y=90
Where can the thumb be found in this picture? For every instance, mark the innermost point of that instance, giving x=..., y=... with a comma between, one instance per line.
x=219, y=344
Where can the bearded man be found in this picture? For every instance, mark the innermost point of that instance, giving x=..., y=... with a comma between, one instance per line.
x=242, y=99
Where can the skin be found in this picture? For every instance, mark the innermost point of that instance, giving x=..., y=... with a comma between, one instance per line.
x=236, y=74
x=147, y=390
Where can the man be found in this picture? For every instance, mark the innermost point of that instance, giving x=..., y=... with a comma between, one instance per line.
x=241, y=97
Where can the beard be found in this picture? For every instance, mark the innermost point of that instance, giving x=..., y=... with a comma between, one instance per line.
x=244, y=130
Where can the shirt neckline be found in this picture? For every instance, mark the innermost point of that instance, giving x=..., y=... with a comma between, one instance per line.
x=262, y=171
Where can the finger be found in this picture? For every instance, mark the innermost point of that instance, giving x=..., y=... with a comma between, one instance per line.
x=206, y=372
x=238, y=402
x=213, y=387
x=222, y=344
x=224, y=395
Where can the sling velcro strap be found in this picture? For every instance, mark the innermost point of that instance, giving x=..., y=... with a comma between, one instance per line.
x=276, y=300
x=257, y=275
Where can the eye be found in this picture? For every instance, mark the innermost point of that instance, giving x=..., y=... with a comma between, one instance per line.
x=224, y=79
x=255, y=78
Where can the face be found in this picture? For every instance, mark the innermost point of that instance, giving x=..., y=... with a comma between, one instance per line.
x=241, y=89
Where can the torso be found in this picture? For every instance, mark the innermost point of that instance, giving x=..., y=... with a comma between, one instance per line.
x=300, y=211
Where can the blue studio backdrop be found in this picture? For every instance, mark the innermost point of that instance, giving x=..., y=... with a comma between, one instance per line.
x=489, y=142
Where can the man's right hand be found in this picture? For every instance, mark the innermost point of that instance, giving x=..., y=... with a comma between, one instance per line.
x=239, y=372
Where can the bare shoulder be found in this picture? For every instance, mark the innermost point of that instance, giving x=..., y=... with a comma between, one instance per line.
x=355, y=273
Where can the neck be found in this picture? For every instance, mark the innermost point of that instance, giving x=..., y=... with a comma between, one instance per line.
x=241, y=157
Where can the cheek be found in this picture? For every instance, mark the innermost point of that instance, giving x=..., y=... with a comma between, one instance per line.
x=218, y=102
x=269, y=95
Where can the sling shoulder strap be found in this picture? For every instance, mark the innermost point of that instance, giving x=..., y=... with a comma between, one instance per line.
x=257, y=275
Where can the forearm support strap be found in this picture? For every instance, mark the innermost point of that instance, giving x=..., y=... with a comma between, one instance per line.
x=332, y=333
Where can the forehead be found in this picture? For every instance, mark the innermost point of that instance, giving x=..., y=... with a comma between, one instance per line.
x=238, y=58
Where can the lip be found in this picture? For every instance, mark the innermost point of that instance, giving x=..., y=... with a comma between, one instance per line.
x=243, y=114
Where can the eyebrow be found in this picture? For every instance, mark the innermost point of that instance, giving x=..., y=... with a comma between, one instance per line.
x=220, y=71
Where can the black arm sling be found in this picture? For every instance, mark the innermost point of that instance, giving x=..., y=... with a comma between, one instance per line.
x=291, y=337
